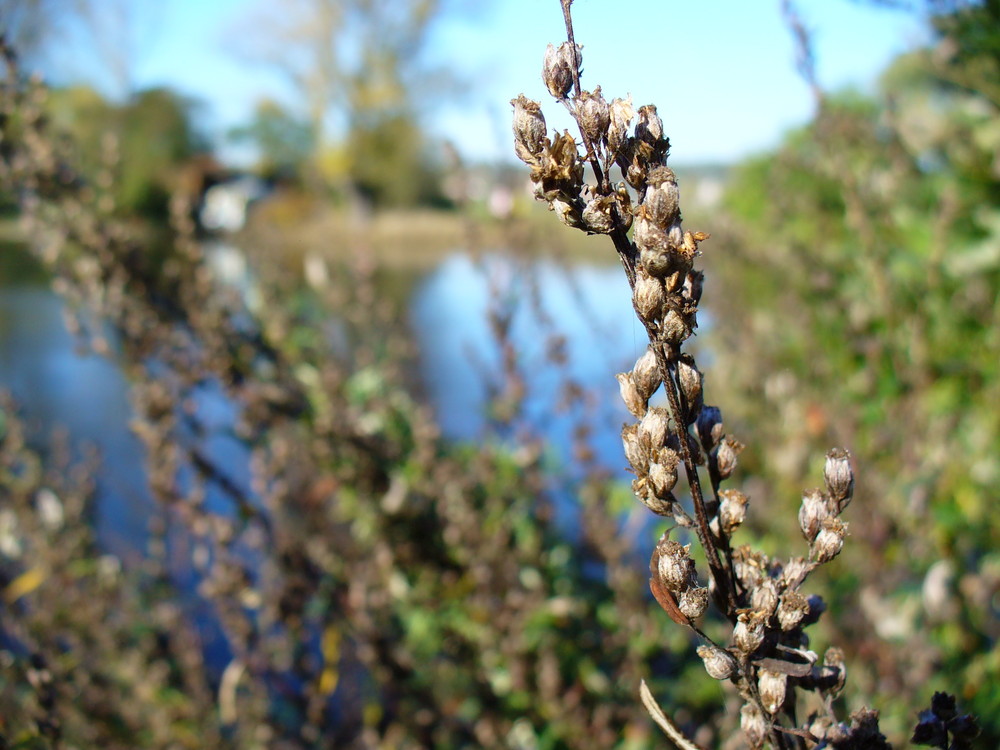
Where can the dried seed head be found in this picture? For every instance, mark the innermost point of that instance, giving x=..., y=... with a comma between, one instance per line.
x=834, y=657
x=732, y=510
x=693, y=601
x=663, y=478
x=772, y=686
x=792, y=609
x=594, y=115
x=689, y=379
x=597, y=215
x=749, y=631
x=630, y=394
x=812, y=512
x=620, y=114
x=753, y=725
x=646, y=374
x=529, y=129
x=649, y=127
x=676, y=327
x=675, y=568
x=829, y=541
x=662, y=202
x=750, y=566
x=719, y=663
x=665, y=505
x=725, y=456
x=794, y=573
x=648, y=295
x=569, y=214
x=710, y=428
x=558, y=67
x=634, y=453
x=655, y=426
x=765, y=596
x=839, y=477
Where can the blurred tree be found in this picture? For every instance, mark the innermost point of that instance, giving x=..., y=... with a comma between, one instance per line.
x=877, y=230
x=283, y=142
x=360, y=69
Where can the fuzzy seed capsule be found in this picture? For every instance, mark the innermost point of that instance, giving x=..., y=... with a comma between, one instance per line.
x=749, y=631
x=558, y=67
x=839, y=477
x=829, y=541
x=772, y=686
x=529, y=129
x=690, y=379
x=646, y=374
x=655, y=426
x=630, y=394
x=648, y=295
x=693, y=602
x=732, y=510
x=720, y=664
x=675, y=567
x=725, y=456
x=665, y=505
x=765, y=597
x=676, y=328
x=813, y=511
x=662, y=202
x=620, y=118
x=634, y=453
x=649, y=127
x=597, y=215
x=753, y=725
x=792, y=609
x=593, y=114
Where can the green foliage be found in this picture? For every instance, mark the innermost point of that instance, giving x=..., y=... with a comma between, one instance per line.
x=283, y=142
x=868, y=271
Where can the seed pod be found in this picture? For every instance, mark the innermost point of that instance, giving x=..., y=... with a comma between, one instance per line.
x=710, y=428
x=689, y=379
x=646, y=374
x=558, y=67
x=620, y=117
x=594, y=115
x=665, y=506
x=529, y=129
x=663, y=472
x=829, y=541
x=794, y=573
x=638, y=458
x=772, y=686
x=676, y=328
x=648, y=295
x=753, y=725
x=693, y=601
x=651, y=239
x=649, y=127
x=719, y=663
x=597, y=215
x=732, y=510
x=792, y=609
x=834, y=657
x=765, y=597
x=725, y=456
x=654, y=426
x=569, y=214
x=812, y=513
x=839, y=477
x=662, y=201
x=749, y=631
x=675, y=568
x=630, y=394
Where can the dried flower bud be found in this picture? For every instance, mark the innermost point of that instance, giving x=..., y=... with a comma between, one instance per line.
x=749, y=565
x=772, y=686
x=676, y=327
x=812, y=512
x=732, y=510
x=749, y=631
x=725, y=456
x=630, y=394
x=665, y=505
x=834, y=657
x=663, y=476
x=794, y=572
x=648, y=295
x=637, y=457
x=839, y=477
x=675, y=568
x=753, y=725
x=689, y=379
x=693, y=602
x=646, y=374
x=654, y=427
x=649, y=127
x=569, y=214
x=719, y=663
x=594, y=115
x=620, y=115
x=792, y=609
x=529, y=129
x=662, y=201
x=597, y=215
x=710, y=428
x=765, y=597
x=558, y=67
x=829, y=541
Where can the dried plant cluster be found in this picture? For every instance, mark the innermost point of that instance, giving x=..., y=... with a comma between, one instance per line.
x=766, y=655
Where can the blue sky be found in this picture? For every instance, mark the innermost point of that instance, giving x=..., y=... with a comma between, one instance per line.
x=720, y=71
